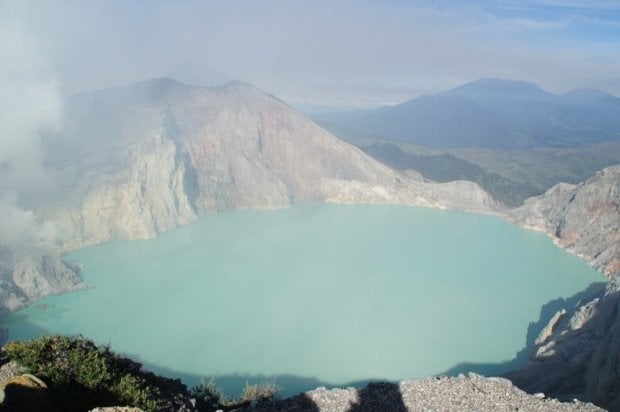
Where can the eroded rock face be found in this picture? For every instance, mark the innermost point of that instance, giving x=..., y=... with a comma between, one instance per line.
x=143, y=159
x=24, y=278
x=580, y=358
x=584, y=218
x=577, y=355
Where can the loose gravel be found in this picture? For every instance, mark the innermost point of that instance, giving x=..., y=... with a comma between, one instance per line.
x=461, y=393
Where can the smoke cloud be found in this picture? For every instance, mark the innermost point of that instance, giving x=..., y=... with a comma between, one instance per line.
x=20, y=230
x=30, y=104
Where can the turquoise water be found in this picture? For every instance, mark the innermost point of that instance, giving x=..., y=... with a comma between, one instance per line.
x=317, y=293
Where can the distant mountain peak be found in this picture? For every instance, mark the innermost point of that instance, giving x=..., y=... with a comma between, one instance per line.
x=150, y=90
x=236, y=84
x=157, y=85
x=494, y=113
x=504, y=83
x=160, y=81
x=493, y=85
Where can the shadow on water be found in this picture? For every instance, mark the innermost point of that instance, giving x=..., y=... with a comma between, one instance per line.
x=292, y=386
x=533, y=330
x=371, y=394
x=26, y=328
x=233, y=384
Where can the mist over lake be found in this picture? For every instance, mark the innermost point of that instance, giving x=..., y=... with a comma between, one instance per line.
x=329, y=293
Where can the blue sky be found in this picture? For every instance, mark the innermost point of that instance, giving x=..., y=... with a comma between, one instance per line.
x=347, y=53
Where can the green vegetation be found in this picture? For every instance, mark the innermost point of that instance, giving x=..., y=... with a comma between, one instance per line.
x=211, y=398
x=82, y=375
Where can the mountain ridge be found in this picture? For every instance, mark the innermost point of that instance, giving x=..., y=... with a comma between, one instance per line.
x=522, y=115
x=515, y=88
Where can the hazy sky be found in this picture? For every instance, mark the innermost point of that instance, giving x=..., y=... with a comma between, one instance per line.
x=332, y=52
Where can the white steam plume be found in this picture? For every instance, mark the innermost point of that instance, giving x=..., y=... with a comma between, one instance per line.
x=30, y=103
x=20, y=230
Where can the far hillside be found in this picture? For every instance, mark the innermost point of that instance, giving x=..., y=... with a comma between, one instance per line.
x=511, y=137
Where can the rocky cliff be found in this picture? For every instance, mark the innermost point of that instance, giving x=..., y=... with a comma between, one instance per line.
x=26, y=277
x=578, y=352
x=139, y=160
x=583, y=218
x=134, y=161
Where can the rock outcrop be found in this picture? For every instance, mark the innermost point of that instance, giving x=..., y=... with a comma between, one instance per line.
x=583, y=218
x=25, y=393
x=27, y=277
x=578, y=354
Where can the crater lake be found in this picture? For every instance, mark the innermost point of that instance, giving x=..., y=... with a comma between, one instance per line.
x=318, y=294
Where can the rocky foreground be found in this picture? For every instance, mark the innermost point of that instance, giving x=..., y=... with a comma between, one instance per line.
x=462, y=393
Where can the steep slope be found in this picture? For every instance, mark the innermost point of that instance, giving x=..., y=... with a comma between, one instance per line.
x=490, y=113
x=578, y=353
x=26, y=277
x=139, y=160
x=584, y=218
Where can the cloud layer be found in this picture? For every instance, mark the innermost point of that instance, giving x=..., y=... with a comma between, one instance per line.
x=359, y=50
